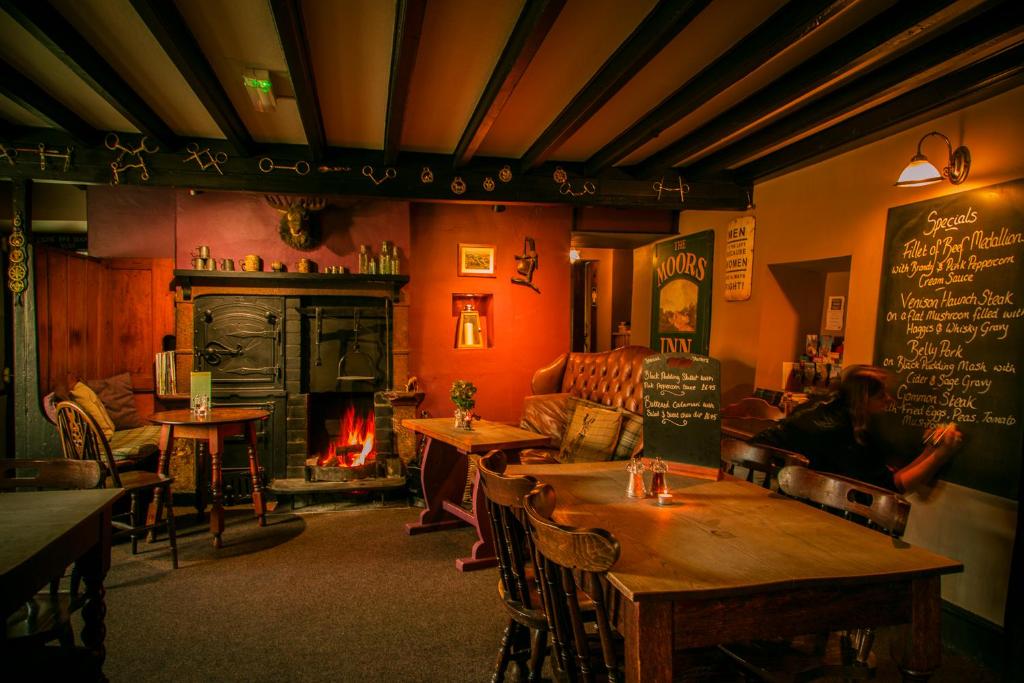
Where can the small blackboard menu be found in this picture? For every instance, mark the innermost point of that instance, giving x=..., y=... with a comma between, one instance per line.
x=681, y=409
x=951, y=329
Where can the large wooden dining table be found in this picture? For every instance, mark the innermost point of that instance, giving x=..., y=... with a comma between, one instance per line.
x=731, y=561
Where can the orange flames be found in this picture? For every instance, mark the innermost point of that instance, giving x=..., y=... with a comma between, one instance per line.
x=354, y=444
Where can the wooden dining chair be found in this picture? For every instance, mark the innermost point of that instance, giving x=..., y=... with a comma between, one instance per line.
x=751, y=406
x=81, y=439
x=850, y=657
x=47, y=616
x=517, y=569
x=574, y=562
x=763, y=460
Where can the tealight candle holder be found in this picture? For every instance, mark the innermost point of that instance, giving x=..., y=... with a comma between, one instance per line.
x=665, y=498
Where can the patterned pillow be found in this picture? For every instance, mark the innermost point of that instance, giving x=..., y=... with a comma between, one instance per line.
x=117, y=397
x=91, y=404
x=631, y=436
x=592, y=433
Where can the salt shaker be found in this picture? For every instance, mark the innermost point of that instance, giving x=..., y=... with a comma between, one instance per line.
x=636, y=488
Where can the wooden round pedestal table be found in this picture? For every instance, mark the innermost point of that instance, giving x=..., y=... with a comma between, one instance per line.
x=212, y=428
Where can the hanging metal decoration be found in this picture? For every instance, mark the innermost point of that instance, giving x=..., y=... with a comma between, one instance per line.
x=334, y=169
x=268, y=165
x=505, y=174
x=128, y=157
x=11, y=154
x=682, y=189
x=389, y=174
x=458, y=185
x=565, y=187
x=17, y=273
x=560, y=176
x=489, y=184
x=204, y=158
x=426, y=175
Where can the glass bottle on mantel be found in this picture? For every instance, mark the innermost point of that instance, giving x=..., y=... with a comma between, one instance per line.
x=394, y=260
x=364, y=258
x=384, y=267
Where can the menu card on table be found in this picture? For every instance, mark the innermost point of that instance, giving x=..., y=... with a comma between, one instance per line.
x=682, y=400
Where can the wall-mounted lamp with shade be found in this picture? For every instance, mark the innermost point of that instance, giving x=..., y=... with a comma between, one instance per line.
x=920, y=171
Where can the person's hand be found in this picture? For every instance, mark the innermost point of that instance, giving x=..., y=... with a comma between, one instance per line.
x=950, y=442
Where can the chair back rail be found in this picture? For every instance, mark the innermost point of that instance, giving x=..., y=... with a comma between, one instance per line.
x=754, y=458
x=752, y=406
x=82, y=439
x=881, y=508
x=574, y=562
x=20, y=473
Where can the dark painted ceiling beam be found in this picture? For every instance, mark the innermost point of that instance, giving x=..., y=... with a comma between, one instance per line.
x=979, y=35
x=169, y=28
x=959, y=89
x=50, y=28
x=34, y=99
x=659, y=27
x=795, y=20
x=536, y=19
x=408, y=27
x=867, y=47
x=292, y=30
x=342, y=175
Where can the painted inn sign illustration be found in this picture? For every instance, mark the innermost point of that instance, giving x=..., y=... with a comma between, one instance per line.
x=681, y=297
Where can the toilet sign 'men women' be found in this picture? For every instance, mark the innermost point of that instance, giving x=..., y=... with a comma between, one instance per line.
x=681, y=299
x=739, y=258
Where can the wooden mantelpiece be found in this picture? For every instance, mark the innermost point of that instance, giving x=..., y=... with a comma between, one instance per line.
x=196, y=282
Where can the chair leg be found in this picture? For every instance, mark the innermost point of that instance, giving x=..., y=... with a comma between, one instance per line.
x=171, y=533
x=538, y=651
x=133, y=518
x=505, y=652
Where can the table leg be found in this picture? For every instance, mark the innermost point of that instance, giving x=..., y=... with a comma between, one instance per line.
x=482, y=555
x=648, y=638
x=93, y=567
x=199, y=456
x=924, y=642
x=259, y=506
x=443, y=476
x=217, y=486
x=156, y=505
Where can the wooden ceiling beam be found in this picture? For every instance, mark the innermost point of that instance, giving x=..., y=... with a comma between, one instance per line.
x=169, y=28
x=291, y=29
x=34, y=99
x=794, y=21
x=50, y=28
x=408, y=27
x=536, y=19
x=979, y=35
x=663, y=23
x=957, y=90
x=867, y=47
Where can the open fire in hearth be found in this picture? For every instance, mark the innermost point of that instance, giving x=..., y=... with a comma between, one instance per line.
x=350, y=452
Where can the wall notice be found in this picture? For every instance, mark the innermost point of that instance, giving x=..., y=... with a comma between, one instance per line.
x=739, y=258
x=681, y=300
x=682, y=401
x=951, y=329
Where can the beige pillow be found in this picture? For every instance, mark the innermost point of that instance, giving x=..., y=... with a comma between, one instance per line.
x=592, y=434
x=631, y=436
x=87, y=399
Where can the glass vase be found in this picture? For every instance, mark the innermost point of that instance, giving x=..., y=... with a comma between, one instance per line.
x=464, y=419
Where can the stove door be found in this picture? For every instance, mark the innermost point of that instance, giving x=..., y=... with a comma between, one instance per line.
x=238, y=340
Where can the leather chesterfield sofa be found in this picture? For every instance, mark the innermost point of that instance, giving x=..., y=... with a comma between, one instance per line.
x=610, y=378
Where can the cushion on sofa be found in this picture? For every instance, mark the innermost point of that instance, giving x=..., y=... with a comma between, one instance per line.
x=592, y=432
x=135, y=444
x=546, y=414
x=631, y=436
x=91, y=404
x=119, y=400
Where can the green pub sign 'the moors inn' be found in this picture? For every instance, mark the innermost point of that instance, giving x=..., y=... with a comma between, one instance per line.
x=681, y=298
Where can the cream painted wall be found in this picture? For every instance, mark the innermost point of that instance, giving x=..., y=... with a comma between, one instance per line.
x=838, y=207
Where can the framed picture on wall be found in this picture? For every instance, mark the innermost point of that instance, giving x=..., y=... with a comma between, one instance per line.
x=476, y=260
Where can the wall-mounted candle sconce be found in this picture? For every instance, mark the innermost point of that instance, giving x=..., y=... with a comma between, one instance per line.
x=473, y=327
x=470, y=334
x=920, y=171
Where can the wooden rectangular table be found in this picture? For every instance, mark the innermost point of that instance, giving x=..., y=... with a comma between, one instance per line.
x=443, y=474
x=42, y=534
x=731, y=561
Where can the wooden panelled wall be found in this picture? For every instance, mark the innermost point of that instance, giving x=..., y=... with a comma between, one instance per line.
x=99, y=318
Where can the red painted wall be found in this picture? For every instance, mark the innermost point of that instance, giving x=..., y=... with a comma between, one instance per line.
x=528, y=329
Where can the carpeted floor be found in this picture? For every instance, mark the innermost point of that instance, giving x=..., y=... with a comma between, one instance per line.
x=343, y=595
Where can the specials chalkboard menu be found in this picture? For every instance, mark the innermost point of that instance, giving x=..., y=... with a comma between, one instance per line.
x=681, y=409
x=681, y=294
x=951, y=329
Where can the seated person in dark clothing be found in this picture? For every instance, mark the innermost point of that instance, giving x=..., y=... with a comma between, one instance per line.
x=836, y=436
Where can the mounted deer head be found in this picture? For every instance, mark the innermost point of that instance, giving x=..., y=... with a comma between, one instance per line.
x=295, y=228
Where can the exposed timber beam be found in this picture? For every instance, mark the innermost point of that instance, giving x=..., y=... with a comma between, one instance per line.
x=659, y=27
x=867, y=47
x=34, y=99
x=292, y=30
x=50, y=28
x=408, y=27
x=169, y=28
x=959, y=89
x=536, y=19
x=795, y=20
x=343, y=176
x=979, y=36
